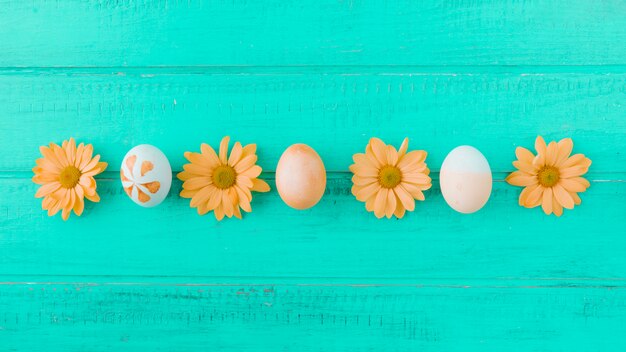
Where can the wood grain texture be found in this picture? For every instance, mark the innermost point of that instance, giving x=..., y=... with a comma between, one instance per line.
x=309, y=317
x=176, y=73
x=336, y=239
x=311, y=32
x=334, y=112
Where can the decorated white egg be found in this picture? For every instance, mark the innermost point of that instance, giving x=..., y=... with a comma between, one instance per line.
x=146, y=175
x=465, y=179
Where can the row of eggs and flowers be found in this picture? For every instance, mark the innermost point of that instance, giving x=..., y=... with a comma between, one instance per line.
x=386, y=179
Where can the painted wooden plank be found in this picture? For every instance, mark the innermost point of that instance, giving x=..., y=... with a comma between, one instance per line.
x=276, y=32
x=310, y=318
x=336, y=239
x=331, y=74
x=336, y=112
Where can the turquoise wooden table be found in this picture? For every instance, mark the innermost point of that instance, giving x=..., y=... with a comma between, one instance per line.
x=332, y=74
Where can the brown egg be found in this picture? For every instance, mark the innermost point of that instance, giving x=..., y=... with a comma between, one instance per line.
x=300, y=177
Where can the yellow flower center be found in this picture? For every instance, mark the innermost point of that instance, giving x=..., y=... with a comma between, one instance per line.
x=69, y=177
x=548, y=176
x=224, y=176
x=389, y=176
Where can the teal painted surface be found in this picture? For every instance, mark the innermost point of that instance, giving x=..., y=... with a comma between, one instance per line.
x=331, y=74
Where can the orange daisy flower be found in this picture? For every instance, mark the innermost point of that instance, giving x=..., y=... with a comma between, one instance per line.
x=552, y=178
x=66, y=174
x=389, y=181
x=222, y=183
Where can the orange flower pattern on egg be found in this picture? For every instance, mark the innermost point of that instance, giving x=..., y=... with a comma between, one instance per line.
x=152, y=187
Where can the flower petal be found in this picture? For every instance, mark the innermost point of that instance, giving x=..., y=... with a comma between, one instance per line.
x=574, y=184
x=237, y=212
x=533, y=197
x=528, y=168
x=369, y=204
x=540, y=145
x=60, y=154
x=54, y=208
x=252, y=172
x=249, y=149
x=380, y=203
x=244, y=181
x=202, y=208
x=91, y=164
x=88, y=184
x=200, y=160
x=47, y=188
x=79, y=155
x=93, y=197
x=369, y=154
x=235, y=199
x=565, y=147
x=259, y=185
x=80, y=192
x=576, y=160
x=209, y=155
x=563, y=197
x=363, y=181
x=380, y=150
x=65, y=213
x=197, y=169
x=245, y=163
x=48, y=165
x=390, y=208
x=539, y=160
x=523, y=196
x=416, y=178
x=521, y=179
x=67, y=199
x=215, y=200
x=400, y=211
x=576, y=198
x=414, y=191
x=243, y=199
x=86, y=158
x=224, y=149
x=403, y=148
x=546, y=203
x=366, y=192
x=573, y=171
x=219, y=213
x=246, y=191
x=188, y=193
x=202, y=196
x=79, y=205
x=41, y=177
x=551, y=154
x=557, y=208
x=227, y=203
x=362, y=159
x=392, y=156
x=48, y=154
x=235, y=154
x=364, y=170
x=70, y=151
x=524, y=155
x=98, y=169
x=405, y=198
x=197, y=183
x=184, y=175
x=412, y=158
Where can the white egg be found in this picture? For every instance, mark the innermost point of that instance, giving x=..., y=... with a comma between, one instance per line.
x=465, y=179
x=146, y=175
